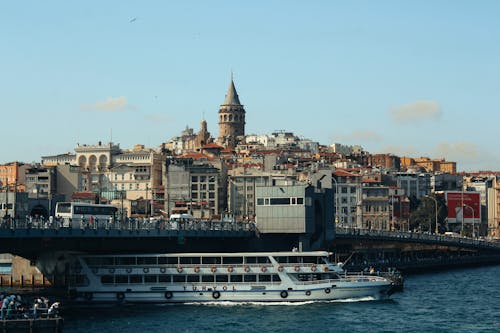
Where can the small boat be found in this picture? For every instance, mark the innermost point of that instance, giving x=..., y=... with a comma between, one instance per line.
x=215, y=277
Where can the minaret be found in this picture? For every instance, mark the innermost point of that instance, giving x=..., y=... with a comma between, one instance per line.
x=231, y=118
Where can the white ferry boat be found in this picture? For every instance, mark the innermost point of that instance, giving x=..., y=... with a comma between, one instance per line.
x=212, y=277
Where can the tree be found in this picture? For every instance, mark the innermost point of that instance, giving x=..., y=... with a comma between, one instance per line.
x=424, y=216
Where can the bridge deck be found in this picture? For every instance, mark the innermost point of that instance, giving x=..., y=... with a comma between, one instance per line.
x=415, y=237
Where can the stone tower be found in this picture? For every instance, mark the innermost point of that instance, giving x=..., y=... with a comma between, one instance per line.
x=231, y=118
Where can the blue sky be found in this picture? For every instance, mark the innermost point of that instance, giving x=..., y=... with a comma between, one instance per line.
x=417, y=78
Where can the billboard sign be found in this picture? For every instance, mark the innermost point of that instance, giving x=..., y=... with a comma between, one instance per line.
x=464, y=206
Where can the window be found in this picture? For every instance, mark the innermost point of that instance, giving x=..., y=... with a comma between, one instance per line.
x=236, y=278
x=250, y=278
x=279, y=201
x=194, y=179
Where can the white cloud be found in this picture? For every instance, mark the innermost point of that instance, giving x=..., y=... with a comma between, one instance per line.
x=110, y=104
x=416, y=112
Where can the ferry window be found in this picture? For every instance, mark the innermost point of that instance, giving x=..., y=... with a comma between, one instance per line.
x=121, y=279
x=207, y=278
x=149, y=278
x=251, y=260
x=263, y=260
x=193, y=278
x=310, y=260
x=221, y=278
x=107, y=279
x=265, y=278
x=211, y=260
x=179, y=278
x=165, y=278
x=250, y=278
x=135, y=278
x=236, y=278
x=189, y=260
x=167, y=260
x=146, y=261
x=276, y=278
x=293, y=260
x=281, y=260
x=125, y=261
x=300, y=201
x=232, y=260
x=260, y=202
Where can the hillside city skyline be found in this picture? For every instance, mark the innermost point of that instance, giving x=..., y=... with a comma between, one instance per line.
x=413, y=79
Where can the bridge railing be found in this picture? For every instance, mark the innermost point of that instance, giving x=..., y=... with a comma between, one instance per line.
x=129, y=224
x=417, y=236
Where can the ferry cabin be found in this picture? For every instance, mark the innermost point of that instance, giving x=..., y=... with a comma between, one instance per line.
x=193, y=277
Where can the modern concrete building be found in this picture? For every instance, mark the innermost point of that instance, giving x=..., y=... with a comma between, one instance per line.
x=298, y=209
x=196, y=187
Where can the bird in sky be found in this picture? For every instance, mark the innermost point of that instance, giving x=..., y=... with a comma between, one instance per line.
x=133, y=20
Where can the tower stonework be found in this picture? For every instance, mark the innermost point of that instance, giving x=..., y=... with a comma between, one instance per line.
x=231, y=118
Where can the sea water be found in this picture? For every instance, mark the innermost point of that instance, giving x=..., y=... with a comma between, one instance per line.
x=464, y=300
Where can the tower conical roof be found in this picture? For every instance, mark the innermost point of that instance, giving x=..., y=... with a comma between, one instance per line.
x=232, y=95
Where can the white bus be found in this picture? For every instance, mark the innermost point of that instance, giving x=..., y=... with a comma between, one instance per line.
x=75, y=213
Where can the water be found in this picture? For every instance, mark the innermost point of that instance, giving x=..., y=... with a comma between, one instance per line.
x=466, y=300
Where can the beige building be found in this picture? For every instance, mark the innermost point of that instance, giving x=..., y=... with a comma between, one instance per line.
x=493, y=206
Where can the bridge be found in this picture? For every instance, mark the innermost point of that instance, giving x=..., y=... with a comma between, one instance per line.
x=416, y=237
x=47, y=243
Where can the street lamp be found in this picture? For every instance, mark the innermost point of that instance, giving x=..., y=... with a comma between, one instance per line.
x=336, y=198
x=473, y=224
x=436, y=231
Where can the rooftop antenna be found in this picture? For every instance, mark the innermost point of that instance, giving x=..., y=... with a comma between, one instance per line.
x=111, y=135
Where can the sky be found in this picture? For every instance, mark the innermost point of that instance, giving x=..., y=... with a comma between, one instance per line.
x=411, y=78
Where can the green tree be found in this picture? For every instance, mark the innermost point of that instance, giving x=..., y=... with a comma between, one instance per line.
x=424, y=216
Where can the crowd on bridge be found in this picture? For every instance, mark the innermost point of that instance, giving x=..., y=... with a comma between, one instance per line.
x=127, y=223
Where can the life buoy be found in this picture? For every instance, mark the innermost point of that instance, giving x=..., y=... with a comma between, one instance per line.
x=326, y=269
x=230, y=269
x=179, y=269
x=327, y=290
x=308, y=293
x=296, y=268
x=216, y=294
x=284, y=294
x=145, y=270
x=263, y=269
x=197, y=269
x=247, y=269
x=111, y=270
x=120, y=296
x=313, y=268
x=168, y=294
x=213, y=269
x=88, y=296
x=163, y=270
x=280, y=268
x=129, y=270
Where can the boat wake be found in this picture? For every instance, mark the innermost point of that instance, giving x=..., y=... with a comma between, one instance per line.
x=229, y=303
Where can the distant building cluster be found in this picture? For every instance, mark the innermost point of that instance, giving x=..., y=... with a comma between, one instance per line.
x=249, y=177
